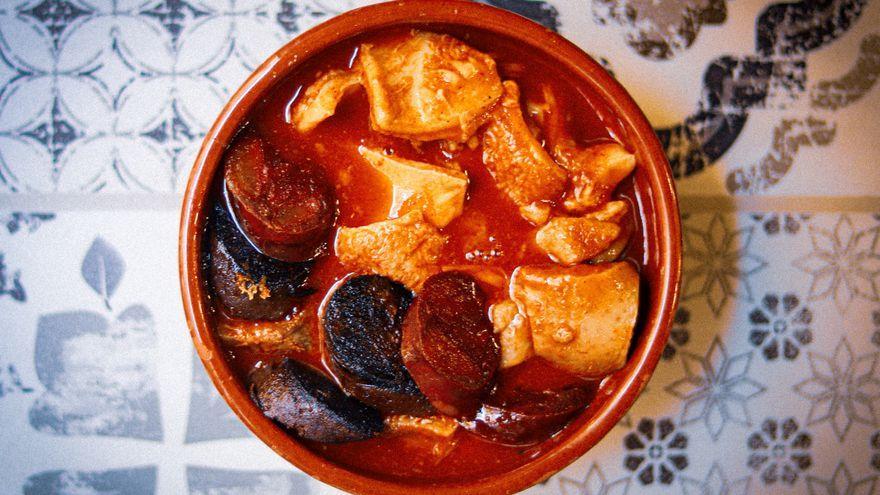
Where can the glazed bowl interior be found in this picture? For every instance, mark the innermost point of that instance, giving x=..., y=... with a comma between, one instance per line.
x=656, y=247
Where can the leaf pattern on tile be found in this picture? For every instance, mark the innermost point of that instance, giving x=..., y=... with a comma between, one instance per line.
x=210, y=481
x=842, y=390
x=780, y=326
x=779, y=451
x=594, y=483
x=130, y=481
x=842, y=482
x=102, y=269
x=844, y=263
x=718, y=263
x=715, y=389
x=716, y=483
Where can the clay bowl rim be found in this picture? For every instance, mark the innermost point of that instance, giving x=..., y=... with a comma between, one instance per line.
x=666, y=230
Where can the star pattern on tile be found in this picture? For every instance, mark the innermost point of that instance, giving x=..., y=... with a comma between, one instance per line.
x=842, y=483
x=715, y=388
x=718, y=263
x=716, y=483
x=843, y=389
x=844, y=263
x=594, y=483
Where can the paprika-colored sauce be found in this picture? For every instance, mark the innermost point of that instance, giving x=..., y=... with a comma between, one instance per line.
x=489, y=232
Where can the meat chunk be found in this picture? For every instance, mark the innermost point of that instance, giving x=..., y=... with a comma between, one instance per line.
x=309, y=404
x=319, y=101
x=595, y=170
x=248, y=283
x=286, y=209
x=448, y=346
x=362, y=326
x=441, y=426
x=527, y=417
x=513, y=331
x=520, y=166
x=405, y=249
x=581, y=317
x=595, y=173
x=570, y=240
x=617, y=212
x=428, y=86
x=438, y=192
x=290, y=334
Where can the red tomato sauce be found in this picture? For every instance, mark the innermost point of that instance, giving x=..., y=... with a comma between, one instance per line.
x=490, y=232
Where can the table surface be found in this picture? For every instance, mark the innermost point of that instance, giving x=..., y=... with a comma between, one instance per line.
x=770, y=382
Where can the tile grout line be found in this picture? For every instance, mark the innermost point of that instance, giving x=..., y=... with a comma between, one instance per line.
x=688, y=203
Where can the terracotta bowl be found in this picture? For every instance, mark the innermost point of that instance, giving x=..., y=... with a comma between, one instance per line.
x=653, y=190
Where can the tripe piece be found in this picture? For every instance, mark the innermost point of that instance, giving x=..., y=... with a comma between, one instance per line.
x=319, y=101
x=570, y=240
x=595, y=173
x=441, y=426
x=581, y=317
x=513, y=333
x=595, y=170
x=521, y=167
x=405, y=249
x=438, y=192
x=428, y=86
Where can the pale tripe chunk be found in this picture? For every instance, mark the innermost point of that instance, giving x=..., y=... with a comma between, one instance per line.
x=321, y=98
x=441, y=426
x=595, y=173
x=521, y=167
x=289, y=334
x=513, y=333
x=570, y=240
x=581, y=317
x=438, y=192
x=405, y=249
x=595, y=170
x=612, y=211
x=428, y=86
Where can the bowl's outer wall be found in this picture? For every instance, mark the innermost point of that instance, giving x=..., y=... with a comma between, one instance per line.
x=657, y=199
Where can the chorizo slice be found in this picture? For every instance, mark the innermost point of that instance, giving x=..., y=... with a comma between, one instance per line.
x=286, y=209
x=448, y=344
x=530, y=403
x=531, y=418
